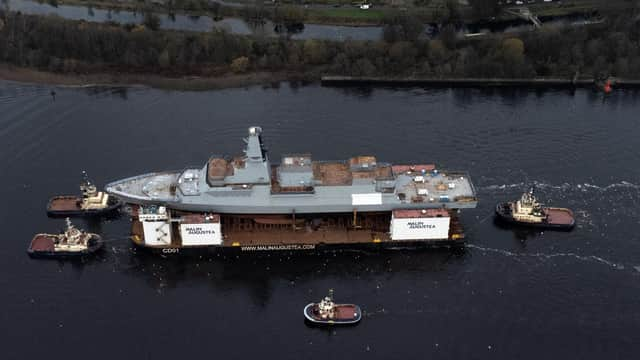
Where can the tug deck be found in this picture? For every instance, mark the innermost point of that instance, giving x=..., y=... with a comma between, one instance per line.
x=559, y=216
x=65, y=203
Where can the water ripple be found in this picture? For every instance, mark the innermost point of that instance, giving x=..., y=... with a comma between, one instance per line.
x=565, y=186
x=586, y=258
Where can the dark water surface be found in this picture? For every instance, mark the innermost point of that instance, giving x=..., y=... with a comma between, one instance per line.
x=509, y=294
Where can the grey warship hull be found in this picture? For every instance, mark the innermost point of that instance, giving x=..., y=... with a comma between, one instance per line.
x=246, y=201
x=260, y=199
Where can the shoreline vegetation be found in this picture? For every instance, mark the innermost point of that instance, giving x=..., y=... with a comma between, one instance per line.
x=188, y=83
x=194, y=83
x=51, y=49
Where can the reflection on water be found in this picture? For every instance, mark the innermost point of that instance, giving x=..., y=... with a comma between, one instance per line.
x=258, y=272
x=520, y=233
x=363, y=92
x=115, y=91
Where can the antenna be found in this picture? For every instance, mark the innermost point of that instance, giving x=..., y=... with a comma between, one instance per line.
x=85, y=178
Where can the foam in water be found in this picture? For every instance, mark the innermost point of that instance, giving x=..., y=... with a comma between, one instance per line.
x=566, y=186
x=584, y=258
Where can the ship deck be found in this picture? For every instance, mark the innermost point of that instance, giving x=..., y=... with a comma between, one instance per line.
x=559, y=216
x=43, y=242
x=249, y=231
x=453, y=190
x=147, y=187
x=346, y=311
x=65, y=203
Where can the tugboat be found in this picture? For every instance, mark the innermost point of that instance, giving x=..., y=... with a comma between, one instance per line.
x=326, y=312
x=91, y=203
x=69, y=244
x=529, y=212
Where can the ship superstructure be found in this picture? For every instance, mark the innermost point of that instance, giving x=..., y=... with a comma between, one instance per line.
x=248, y=192
x=528, y=209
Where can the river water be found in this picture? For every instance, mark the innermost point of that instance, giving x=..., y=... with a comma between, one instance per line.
x=509, y=294
x=194, y=23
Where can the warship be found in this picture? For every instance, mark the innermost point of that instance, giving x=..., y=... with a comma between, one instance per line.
x=246, y=202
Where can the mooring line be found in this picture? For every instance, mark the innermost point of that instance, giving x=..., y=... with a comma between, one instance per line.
x=110, y=240
x=479, y=222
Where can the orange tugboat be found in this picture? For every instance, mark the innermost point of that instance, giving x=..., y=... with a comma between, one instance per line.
x=73, y=242
x=529, y=212
x=91, y=203
x=326, y=312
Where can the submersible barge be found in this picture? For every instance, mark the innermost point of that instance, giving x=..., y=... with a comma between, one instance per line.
x=300, y=204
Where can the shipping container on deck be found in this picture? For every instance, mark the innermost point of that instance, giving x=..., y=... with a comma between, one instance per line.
x=200, y=229
x=426, y=224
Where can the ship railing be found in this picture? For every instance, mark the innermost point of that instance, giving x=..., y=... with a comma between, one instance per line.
x=140, y=177
x=131, y=179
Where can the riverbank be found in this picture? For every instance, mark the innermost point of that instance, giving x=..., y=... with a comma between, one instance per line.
x=200, y=83
x=537, y=82
x=341, y=16
x=26, y=75
x=180, y=59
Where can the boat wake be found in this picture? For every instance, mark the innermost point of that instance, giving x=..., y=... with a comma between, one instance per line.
x=520, y=185
x=543, y=256
x=374, y=313
x=564, y=187
x=615, y=203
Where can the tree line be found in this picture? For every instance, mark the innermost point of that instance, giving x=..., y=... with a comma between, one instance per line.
x=66, y=46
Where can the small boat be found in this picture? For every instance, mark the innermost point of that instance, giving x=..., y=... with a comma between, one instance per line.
x=529, y=212
x=69, y=244
x=91, y=203
x=326, y=312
